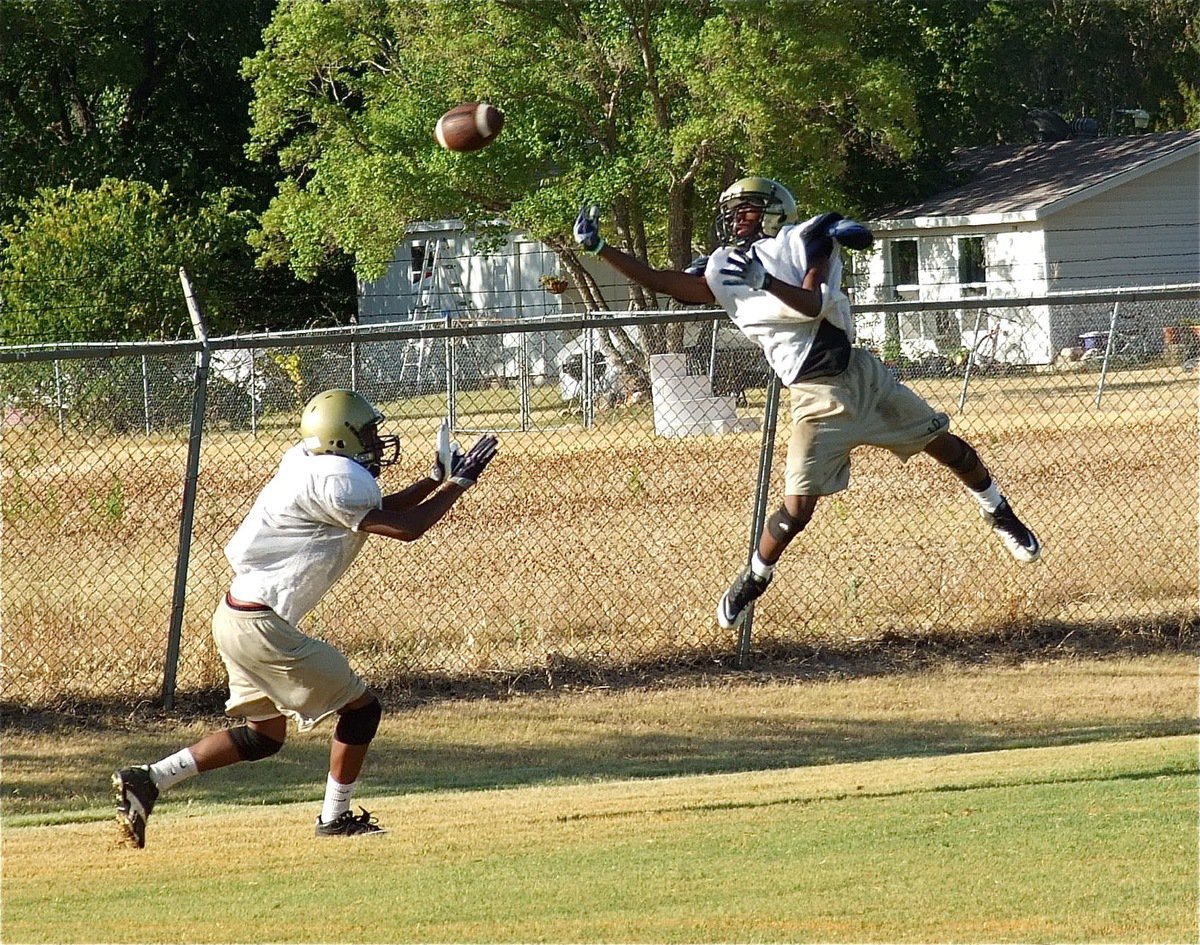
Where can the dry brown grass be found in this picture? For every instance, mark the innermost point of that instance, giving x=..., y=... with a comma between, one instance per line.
x=612, y=544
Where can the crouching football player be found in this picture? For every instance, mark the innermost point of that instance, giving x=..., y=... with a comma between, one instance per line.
x=300, y=536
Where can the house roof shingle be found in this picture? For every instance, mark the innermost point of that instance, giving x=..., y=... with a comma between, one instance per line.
x=1025, y=178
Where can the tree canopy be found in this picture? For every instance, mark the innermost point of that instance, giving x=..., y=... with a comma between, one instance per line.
x=120, y=99
x=648, y=107
x=978, y=66
x=144, y=90
x=319, y=116
x=104, y=262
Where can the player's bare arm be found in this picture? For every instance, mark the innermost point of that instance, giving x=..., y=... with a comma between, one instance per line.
x=683, y=286
x=410, y=524
x=742, y=267
x=406, y=517
x=411, y=496
x=806, y=298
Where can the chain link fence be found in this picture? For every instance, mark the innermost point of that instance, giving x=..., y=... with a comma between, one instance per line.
x=620, y=506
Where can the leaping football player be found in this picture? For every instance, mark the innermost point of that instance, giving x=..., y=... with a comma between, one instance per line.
x=779, y=279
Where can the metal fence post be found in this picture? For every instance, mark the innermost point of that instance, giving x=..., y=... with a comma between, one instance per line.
x=588, y=377
x=451, y=384
x=253, y=394
x=523, y=368
x=1108, y=348
x=712, y=352
x=58, y=400
x=762, y=489
x=146, y=393
x=190, y=481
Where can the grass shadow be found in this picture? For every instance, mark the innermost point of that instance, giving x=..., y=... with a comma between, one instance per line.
x=518, y=738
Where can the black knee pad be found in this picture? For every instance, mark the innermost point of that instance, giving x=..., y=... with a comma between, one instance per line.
x=253, y=745
x=783, y=526
x=358, y=726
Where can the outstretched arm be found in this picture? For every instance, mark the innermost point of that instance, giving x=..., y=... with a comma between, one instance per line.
x=409, y=514
x=683, y=286
x=679, y=285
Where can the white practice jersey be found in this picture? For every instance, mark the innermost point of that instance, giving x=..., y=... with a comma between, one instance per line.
x=785, y=335
x=302, y=532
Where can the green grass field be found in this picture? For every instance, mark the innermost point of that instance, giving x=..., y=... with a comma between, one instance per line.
x=1052, y=801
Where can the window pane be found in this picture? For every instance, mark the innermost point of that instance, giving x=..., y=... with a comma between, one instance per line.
x=971, y=264
x=904, y=262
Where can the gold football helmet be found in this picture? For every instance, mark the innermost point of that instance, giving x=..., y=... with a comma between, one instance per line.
x=343, y=423
x=776, y=201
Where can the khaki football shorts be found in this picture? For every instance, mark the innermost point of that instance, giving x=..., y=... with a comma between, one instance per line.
x=863, y=406
x=274, y=668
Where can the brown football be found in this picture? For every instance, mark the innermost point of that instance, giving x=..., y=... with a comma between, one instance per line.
x=469, y=126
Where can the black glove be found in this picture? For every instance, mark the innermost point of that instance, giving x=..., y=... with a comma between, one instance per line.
x=743, y=268
x=587, y=229
x=468, y=469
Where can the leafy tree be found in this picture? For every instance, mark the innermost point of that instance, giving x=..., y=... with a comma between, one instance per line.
x=104, y=263
x=142, y=89
x=648, y=107
x=148, y=90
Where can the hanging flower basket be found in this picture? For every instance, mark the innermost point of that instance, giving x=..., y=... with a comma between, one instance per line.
x=554, y=283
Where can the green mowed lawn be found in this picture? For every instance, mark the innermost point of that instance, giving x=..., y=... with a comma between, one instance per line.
x=1052, y=801
x=1081, y=843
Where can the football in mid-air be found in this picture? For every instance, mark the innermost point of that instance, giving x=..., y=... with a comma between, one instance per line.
x=469, y=126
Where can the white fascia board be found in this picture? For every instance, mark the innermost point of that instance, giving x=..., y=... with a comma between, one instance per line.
x=969, y=221
x=425, y=227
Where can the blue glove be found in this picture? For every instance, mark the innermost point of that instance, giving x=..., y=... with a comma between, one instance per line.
x=468, y=469
x=587, y=229
x=817, y=241
x=745, y=269
x=819, y=236
x=852, y=234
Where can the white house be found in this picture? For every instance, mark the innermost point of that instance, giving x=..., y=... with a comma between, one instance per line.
x=1033, y=220
x=442, y=270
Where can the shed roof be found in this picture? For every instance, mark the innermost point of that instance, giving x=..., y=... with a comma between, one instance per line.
x=1031, y=181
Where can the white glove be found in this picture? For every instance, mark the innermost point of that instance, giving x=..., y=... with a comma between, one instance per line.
x=745, y=269
x=448, y=454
